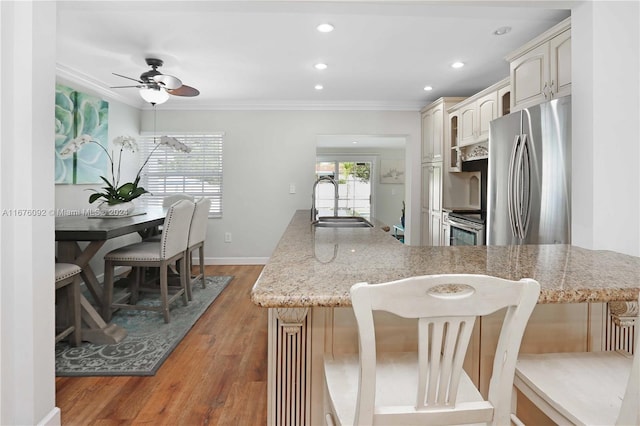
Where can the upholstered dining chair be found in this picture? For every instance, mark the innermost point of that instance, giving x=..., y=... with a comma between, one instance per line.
x=428, y=386
x=170, y=199
x=166, y=203
x=197, y=237
x=156, y=254
x=68, y=286
x=590, y=388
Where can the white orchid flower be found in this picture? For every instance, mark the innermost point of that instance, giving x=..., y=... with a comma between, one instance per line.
x=74, y=145
x=126, y=142
x=174, y=143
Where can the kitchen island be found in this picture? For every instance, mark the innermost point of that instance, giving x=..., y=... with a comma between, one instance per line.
x=306, y=286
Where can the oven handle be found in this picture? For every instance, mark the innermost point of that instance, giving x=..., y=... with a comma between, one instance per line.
x=463, y=226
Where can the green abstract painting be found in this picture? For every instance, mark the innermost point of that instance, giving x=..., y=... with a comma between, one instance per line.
x=80, y=114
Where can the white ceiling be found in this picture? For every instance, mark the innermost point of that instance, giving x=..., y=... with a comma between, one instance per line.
x=260, y=54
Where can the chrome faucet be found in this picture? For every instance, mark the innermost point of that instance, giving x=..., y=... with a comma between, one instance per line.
x=314, y=211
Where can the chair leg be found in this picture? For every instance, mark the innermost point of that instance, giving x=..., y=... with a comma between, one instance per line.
x=107, y=297
x=201, y=254
x=74, y=307
x=187, y=273
x=185, y=280
x=164, y=290
x=134, y=285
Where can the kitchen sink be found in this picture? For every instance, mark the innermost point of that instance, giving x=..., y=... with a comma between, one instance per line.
x=342, y=222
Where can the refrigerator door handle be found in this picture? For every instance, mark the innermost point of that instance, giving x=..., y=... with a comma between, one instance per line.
x=511, y=189
x=522, y=189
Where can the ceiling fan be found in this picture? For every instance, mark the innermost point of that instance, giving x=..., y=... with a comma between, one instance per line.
x=156, y=87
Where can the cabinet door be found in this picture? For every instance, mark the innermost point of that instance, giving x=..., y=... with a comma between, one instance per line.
x=466, y=126
x=487, y=110
x=436, y=228
x=529, y=77
x=425, y=223
x=437, y=139
x=435, y=183
x=425, y=219
x=560, y=64
x=427, y=136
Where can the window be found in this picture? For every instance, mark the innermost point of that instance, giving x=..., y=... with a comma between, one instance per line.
x=198, y=172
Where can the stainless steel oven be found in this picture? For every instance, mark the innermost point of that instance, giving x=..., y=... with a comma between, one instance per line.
x=466, y=230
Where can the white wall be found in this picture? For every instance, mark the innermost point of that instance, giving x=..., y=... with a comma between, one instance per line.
x=264, y=152
x=27, y=82
x=606, y=126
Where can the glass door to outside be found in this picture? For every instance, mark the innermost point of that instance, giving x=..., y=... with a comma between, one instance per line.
x=354, y=188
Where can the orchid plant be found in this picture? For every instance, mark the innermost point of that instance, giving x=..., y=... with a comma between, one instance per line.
x=114, y=193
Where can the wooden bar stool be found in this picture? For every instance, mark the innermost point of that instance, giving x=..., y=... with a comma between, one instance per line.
x=68, y=282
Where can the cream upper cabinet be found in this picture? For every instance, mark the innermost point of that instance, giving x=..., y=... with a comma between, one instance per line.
x=432, y=133
x=427, y=136
x=474, y=119
x=435, y=129
x=541, y=69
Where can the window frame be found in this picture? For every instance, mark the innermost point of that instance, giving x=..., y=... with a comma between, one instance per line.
x=214, y=141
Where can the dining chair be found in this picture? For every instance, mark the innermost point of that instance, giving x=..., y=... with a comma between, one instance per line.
x=173, y=198
x=166, y=203
x=428, y=386
x=68, y=288
x=590, y=388
x=197, y=237
x=155, y=254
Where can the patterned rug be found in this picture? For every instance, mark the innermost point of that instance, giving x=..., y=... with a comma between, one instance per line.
x=149, y=340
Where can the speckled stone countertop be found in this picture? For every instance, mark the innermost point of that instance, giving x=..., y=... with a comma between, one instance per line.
x=317, y=266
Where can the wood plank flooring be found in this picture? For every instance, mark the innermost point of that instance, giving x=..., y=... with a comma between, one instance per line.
x=216, y=376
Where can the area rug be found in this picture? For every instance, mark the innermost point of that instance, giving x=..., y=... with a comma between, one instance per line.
x=149, y=340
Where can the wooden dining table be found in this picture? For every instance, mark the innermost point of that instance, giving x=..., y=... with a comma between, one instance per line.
x=73, y=229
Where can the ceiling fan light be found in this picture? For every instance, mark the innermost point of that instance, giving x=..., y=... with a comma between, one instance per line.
x=154, y=96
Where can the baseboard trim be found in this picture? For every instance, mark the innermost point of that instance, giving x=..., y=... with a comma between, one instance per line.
x=52, y=418
x=233, y=260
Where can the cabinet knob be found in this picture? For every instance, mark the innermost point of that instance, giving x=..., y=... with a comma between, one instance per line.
x=545, y=89
x=551, y=89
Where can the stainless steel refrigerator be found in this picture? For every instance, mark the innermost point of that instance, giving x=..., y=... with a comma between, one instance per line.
x=529, y=176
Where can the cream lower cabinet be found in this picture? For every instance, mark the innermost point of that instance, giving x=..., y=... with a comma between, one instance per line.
x=431, y=204
x=541, y=69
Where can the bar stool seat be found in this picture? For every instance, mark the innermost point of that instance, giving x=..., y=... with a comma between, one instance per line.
x=68, y=282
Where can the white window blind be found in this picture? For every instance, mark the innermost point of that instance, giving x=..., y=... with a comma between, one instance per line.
x=198, y=173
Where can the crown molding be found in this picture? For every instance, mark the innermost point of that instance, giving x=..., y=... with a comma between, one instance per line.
x=74, y=76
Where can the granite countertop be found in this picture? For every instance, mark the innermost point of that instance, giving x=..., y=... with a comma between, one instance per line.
x=317, y=266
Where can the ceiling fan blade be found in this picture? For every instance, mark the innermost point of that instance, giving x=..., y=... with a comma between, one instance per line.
x=167, y=81
x=124, y=76
x=184, y=91
x=139, y=86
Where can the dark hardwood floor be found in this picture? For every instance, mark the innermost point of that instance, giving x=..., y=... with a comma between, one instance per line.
x=216, y=376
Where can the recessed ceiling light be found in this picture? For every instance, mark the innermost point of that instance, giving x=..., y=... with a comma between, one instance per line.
x=318, y=87
x=320, y=66
x=355, y=142
x=457, y=65
x=325, y=28
x=502, y=31
x=428, y=88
